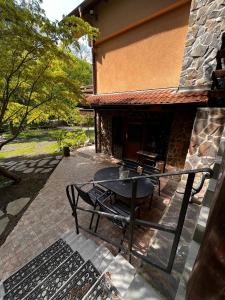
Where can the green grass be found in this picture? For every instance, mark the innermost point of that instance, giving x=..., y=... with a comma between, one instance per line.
x=28, y=149
x=43, y=134
x=35, y=142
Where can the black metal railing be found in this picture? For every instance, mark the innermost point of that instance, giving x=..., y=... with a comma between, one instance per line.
x=132, y=220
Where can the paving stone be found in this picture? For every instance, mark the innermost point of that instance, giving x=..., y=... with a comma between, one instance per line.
x=3, y=223
x=42, y=162
x=21, y=168
x=38, y=170
x=17, y=205
x=32, y=164
x=28, y=170
x=46, y=170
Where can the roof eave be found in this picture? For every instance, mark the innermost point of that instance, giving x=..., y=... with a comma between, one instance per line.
x=83, y=6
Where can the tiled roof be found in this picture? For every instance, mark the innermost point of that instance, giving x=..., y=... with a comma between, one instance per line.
x=149, y=97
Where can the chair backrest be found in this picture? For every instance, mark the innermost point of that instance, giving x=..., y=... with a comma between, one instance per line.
x=107, y=209
x=130, y=164
x=84, y=195
x=70, y=191
x=151, y=171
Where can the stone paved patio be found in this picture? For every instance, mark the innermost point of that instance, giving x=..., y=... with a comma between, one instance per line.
x=49, y=215
x=15, y=199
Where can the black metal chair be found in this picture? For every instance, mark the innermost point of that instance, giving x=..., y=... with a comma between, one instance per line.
x=116, y=208
x=149, y=170
x=130, y=164
x=93, y=197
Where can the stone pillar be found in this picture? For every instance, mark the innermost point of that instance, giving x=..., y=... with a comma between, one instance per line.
x=205, y=140
x=106, y=133
x=179, y=140
x=206, y=25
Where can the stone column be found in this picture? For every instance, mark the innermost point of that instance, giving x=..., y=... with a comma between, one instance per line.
x=205, y=140
x=106, y=133
x=206, y=25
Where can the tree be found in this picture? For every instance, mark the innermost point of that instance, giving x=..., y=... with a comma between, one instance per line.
x=34, y=55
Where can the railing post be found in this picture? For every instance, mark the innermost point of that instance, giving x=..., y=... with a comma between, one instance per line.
x=183, y=210
x=132, y=216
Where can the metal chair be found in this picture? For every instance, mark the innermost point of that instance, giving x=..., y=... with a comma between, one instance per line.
x=116, y=208
x=130, y=164
x=149, y=170
x=93, y=197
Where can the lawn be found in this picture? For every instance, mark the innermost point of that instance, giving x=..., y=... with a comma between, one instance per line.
x=36, y=142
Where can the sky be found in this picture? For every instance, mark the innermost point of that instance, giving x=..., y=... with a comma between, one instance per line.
x=54, y=9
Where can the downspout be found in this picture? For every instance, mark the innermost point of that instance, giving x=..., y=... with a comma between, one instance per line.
x=94, y=92
x=94, y=70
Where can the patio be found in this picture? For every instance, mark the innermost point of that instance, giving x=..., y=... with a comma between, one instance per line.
x=49, y=215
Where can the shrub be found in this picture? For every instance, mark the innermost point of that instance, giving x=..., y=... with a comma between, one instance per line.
x=71, y=139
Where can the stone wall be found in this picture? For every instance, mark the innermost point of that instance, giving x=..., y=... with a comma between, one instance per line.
x=205, y=139
x=206, y=25
x=179, y=139
x=106, y=133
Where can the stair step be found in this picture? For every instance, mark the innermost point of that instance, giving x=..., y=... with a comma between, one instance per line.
x=115, y=281
x=35, y=263
x=81, y=282
x=50, y=286
x=141, y=290
x=201, y=225
x=192, y=254
x=35, y=278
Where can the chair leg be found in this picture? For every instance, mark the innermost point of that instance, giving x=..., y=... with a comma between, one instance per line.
x=159, y=187
x=122, y=239
x=92, y=218
x=150, y=202
x=96, y=225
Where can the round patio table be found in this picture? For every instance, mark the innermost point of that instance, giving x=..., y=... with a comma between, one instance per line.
x=124, y=188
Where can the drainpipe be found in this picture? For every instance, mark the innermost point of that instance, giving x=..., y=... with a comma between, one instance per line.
x=94, y=77
x=96, y=135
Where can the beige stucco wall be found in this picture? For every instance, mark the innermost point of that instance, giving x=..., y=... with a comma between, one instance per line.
x=149, y=56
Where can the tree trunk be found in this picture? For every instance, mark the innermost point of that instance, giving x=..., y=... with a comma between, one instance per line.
x=12, y=128
x=9, y=174
x=207, y=280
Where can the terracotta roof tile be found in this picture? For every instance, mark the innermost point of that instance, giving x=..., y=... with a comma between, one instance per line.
x=148, y=97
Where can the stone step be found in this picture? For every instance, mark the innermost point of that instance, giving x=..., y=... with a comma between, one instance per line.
x=39, y=275
x=141, y=290
x=83, y=280
x=51, y=285
x=201, y=225
x=192, y=254
x=114, y=282
x=11, y=282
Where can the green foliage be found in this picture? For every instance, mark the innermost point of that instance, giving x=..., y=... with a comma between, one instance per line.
x=45, y=141
x=39, y=76
x=71, y=139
